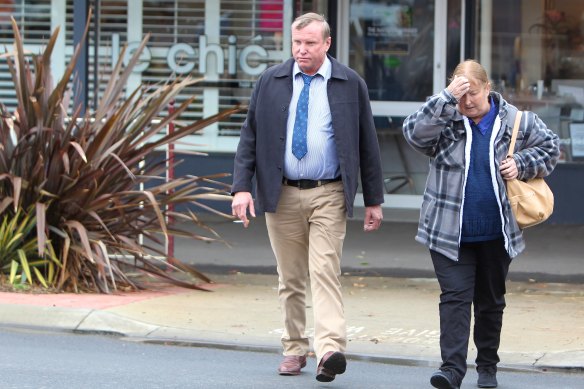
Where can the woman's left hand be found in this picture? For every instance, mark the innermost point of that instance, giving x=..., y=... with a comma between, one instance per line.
x=508, y=169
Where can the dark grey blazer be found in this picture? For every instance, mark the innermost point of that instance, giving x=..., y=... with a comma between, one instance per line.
x=263, y=136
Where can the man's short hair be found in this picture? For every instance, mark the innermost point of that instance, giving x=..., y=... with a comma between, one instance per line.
x=304, y=20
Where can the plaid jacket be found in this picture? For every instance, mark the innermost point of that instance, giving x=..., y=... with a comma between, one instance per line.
x=439, y=131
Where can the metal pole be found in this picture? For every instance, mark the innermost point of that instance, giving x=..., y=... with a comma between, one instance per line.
x=80, y=12
x=96, y=43
x=169, y=177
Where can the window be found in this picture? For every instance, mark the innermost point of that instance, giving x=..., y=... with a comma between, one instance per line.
x=537, y=62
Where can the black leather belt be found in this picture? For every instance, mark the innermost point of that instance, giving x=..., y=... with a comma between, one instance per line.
x=308, y=184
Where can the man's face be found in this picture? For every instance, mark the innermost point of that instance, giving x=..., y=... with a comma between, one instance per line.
x=309, y=48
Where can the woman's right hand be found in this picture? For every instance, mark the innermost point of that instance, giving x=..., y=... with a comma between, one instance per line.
x=508, y=169
x=458, y=87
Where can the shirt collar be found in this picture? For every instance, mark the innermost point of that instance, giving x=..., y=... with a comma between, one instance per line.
x=324, y=71
x=487, y=121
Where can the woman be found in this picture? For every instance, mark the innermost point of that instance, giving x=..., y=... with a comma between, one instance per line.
x=466, y=220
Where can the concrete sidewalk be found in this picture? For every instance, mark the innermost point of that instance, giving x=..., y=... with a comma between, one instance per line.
x=554, y=253
x=391, y=299
x=391, y=320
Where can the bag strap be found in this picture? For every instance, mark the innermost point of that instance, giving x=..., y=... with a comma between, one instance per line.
x=514, y=133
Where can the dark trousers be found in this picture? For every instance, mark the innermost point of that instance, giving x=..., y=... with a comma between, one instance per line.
x=477, y=278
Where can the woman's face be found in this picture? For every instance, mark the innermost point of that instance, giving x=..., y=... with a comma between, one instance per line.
x=475, y=103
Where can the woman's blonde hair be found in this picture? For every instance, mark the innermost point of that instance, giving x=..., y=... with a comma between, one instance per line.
x=473, y=69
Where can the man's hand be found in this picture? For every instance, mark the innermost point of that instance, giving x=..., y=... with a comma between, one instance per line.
x=373, y=217
x=241, y=201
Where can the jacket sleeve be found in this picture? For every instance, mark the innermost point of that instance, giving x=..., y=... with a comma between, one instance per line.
x=537, y=149
x=369, y=153
x=423, y=128
x=245, y=157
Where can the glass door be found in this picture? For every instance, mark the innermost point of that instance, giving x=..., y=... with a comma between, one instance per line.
x=399, y=48
x=404, y=50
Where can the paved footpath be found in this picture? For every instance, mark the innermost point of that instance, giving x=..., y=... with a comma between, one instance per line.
x=554, y=253
x=393, y=320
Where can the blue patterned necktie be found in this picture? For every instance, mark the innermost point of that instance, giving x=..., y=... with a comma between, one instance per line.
x=299, y=147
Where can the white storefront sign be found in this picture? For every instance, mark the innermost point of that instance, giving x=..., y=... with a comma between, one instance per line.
x=182, y=58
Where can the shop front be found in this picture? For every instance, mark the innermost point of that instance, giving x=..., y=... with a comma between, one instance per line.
x=404, y=49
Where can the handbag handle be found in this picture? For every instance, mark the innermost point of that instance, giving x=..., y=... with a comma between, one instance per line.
x=514, y=133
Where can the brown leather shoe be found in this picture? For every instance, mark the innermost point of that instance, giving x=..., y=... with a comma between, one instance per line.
x=292, y=364
x=330, y=365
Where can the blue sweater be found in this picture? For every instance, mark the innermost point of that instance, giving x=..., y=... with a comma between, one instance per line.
x=481, y=218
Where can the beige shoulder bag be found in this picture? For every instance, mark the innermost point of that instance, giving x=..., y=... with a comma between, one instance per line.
x=532, y=201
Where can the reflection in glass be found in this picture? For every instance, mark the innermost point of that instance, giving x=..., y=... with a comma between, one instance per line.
x=391, y=47
x=538, y=62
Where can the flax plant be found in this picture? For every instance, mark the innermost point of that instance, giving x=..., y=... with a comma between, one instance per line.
x=90, y=203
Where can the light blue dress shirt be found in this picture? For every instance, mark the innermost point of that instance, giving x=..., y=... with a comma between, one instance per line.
x=321, y=161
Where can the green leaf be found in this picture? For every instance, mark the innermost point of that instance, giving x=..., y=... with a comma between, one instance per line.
x=13, y=271
x=40, y=277
x=24, y=264
x=51, y=275
x=14, y=239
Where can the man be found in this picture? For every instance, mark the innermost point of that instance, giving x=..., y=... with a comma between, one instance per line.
x=307, y=184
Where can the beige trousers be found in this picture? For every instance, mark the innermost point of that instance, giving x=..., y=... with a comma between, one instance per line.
x=307, y=233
